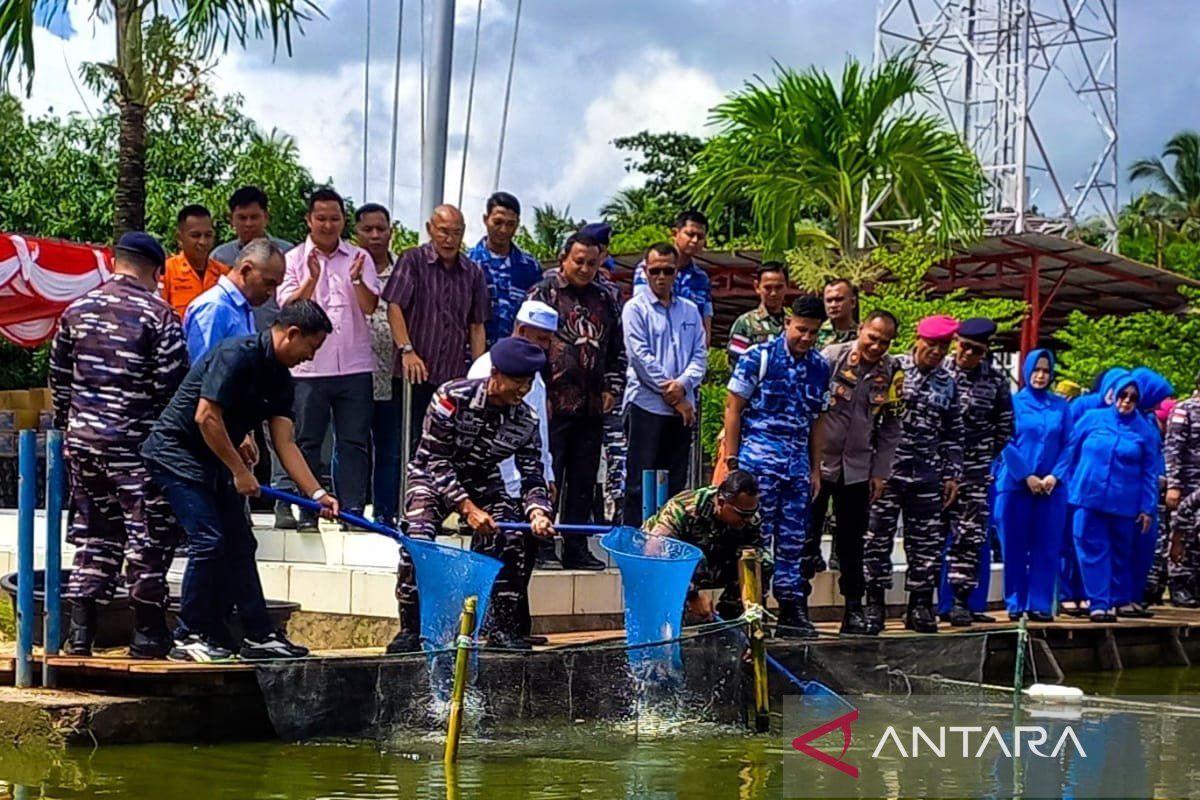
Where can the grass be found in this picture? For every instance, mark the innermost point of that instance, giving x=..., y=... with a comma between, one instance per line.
x=8, y=621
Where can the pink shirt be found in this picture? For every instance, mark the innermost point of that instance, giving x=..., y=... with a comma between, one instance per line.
x=346, y=351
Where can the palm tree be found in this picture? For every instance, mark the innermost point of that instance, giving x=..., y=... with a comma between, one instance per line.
x=804, y=146
x=1176, y=193
x=551, y=227
x=203, y=25
x=630, y=209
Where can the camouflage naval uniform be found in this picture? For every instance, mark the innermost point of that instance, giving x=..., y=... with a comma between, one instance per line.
x=929, y=454
x=1182, y=455
x=784, y=394
x=753, y=327
x=463, y=442
x=985, y=402
x=690, y=516
x=117, y=359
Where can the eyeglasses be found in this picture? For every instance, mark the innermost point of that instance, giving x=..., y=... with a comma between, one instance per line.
x=656, y=271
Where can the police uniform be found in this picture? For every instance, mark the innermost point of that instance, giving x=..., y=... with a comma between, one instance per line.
x=784, y=395
x=1182, y=452
x=985, y=402
x=116, y=360
x=463, y=442
x=690, y=516
x=929, y=454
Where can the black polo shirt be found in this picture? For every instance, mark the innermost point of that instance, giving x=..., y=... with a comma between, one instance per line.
x=243, y=377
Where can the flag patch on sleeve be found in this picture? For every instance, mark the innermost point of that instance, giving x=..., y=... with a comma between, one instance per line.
x=444, y=406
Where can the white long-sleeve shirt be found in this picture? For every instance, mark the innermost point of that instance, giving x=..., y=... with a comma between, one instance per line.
x=536, y=399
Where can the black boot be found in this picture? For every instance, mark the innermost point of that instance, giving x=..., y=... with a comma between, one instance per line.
x=853, y=620
x=1182, y=596
x=793, y=622
x=151, y=637
x=920, y=617
x=960, y=616
x=408, y=640
x=503, y=634
x=876, y=612
x=82, y=632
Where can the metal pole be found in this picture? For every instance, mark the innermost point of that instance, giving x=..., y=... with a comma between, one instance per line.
x=466, y=631
x=405, y=440
x=366, y=104
x=462, y=176
x=512, y=62
x=26, y=505
x=752, y=596
x=663, y=488
x=395, y=112
x=1022, y=132
x=433, y=155
x=648, y=494
x=52, y=632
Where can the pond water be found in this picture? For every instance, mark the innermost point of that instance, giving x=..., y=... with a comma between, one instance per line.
x=682, y=761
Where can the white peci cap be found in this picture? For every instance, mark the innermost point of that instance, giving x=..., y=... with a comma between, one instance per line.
x=538, y=315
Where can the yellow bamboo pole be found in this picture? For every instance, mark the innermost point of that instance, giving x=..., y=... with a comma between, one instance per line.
x=466, y=627
x=752, y=596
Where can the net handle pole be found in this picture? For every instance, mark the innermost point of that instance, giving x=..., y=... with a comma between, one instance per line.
x=307, y=504
x=561, y=528
x=751, y=596
x=466, y=625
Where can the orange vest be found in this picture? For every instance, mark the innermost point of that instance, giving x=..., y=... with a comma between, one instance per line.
x=180, y=284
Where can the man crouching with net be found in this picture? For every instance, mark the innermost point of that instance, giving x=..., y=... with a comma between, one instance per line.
x=721, y=521
x=470, y=428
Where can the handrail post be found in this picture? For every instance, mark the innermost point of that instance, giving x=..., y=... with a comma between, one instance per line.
x=466, y=630
x=26, y=507
x=52, y=631
x=752, y=597
x=662, y=489
x=648, y=494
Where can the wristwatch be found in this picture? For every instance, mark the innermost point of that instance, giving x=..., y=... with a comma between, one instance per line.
x=405, y=349
x=731, y=462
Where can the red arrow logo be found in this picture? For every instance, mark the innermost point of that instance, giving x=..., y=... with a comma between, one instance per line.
x=843, y=723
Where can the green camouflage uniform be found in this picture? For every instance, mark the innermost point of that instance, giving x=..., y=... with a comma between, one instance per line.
x=751, y=328
x=690, y=516
x=828, y=335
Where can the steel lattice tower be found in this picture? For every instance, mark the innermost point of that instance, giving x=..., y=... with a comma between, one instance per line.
x=1006, y=73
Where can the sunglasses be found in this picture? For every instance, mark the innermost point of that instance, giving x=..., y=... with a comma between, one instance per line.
x=661, y=271
x=746, y=513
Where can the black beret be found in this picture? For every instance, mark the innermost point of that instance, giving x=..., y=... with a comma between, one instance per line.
x=517, y=358
x=977, y=329
x=809, y=308
x=144, y=245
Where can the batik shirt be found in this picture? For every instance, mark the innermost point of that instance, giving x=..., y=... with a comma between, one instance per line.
x=465, y=439
x=117, y=359
x=509, y=279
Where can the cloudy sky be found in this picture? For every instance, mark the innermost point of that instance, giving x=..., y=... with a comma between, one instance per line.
x=588, y=72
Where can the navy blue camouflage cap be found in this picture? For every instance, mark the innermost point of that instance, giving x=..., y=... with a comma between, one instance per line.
x=144, y=245
x=600, y=231
x=517, y=358
x=977, y=329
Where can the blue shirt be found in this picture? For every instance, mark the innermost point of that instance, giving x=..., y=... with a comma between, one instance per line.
x=662, y=343
x=691, y=283
x=784, y=394
x=217, y=314
x=509, y=279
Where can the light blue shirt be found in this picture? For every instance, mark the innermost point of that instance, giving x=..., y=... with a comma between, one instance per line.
x=217, y=314
x=663, y=343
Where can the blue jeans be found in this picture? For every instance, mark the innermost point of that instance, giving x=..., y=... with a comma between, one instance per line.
x=220, y=547
x=385, y=442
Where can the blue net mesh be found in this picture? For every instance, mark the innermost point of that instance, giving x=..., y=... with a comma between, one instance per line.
x=447, y=576
x=655, y=572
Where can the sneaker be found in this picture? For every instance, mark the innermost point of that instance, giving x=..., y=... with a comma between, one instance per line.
x=284, y=519
x=199, y=649
x=273, y=645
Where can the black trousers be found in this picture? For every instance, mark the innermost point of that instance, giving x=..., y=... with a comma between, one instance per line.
x=575, y=452
x=656, y=441
x=346, y=401
x=851, y=507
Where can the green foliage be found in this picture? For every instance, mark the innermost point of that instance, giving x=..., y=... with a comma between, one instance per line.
x=802, y=145
x=403, y=238
x=551, y=227
x=638, y=240
x=1164, y=342
x=21, y=368
x=60, y=174
x=1176, y=187
x=712, y=399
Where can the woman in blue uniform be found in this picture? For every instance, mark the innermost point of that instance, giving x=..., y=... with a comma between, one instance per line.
x=1114, y=487
x=1031, y=492
x=1155, y=388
